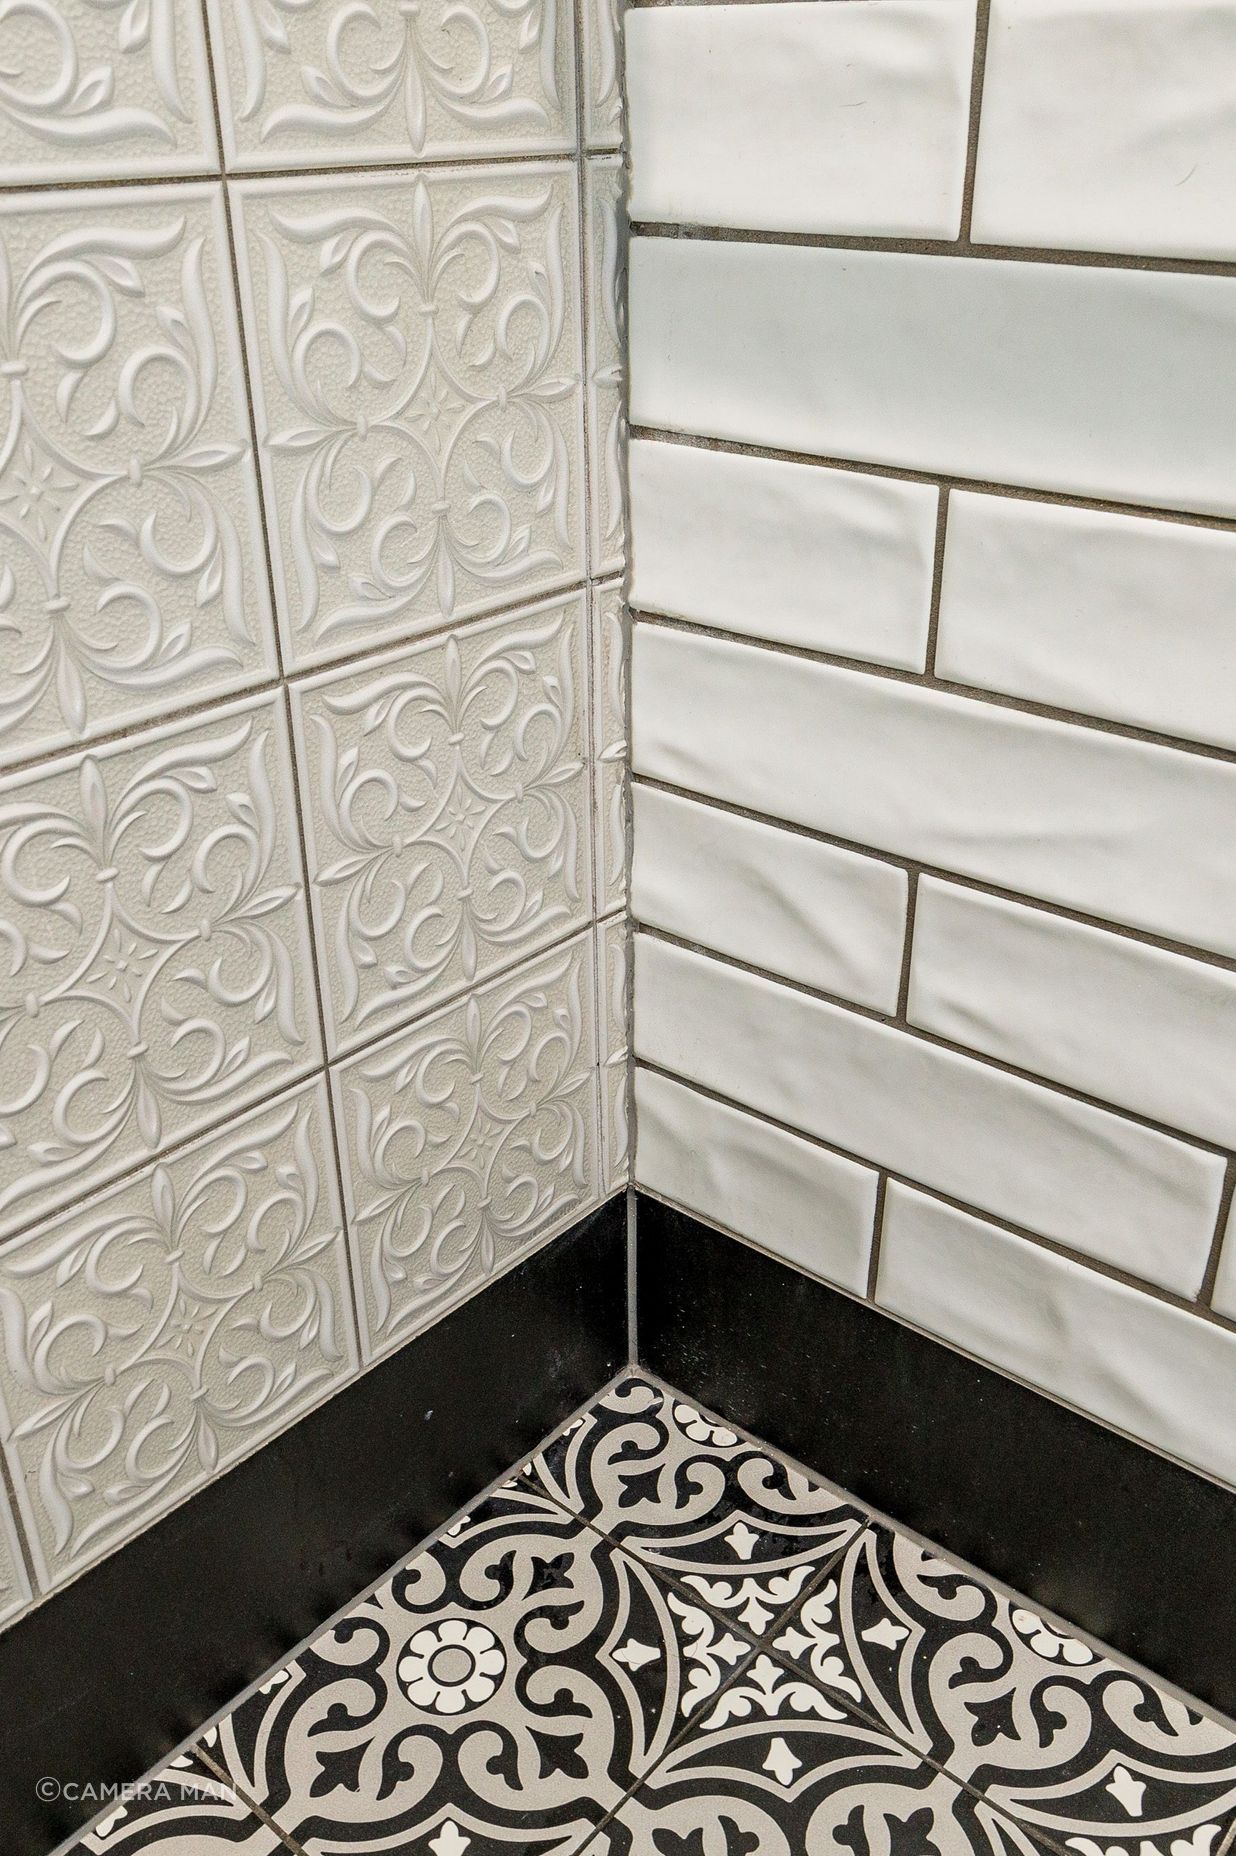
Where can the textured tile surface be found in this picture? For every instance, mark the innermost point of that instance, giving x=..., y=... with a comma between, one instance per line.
x=811, y=912
x=307, y=83
x=606, y=266
x=415, y=346
x=151, y=902
x=132, y=573
x=609, y=673
x=447, y=801
x=828, y=560
x=1011, y=371
x=613, y=982
x=839, y=118
x=14, y=1585
x=169, y=1327
x=183, y=1809
x=1156, y=1371
x=1109, y=125
x=602, y=74
x=467, y=1137
x=809, y=1206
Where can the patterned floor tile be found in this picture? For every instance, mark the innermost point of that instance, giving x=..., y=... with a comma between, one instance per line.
x=697, y=1500
x=776, y=1768
x=181, y=1809
x=503, y=1690
x=1075, y=1748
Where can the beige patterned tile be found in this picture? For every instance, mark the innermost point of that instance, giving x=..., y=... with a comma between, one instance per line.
x=613, y=980
x=15, y=1592
x=602, y=74
x=609, y=673
x=606, y=258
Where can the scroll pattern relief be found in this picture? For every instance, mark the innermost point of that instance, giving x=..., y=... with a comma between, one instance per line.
x=606, y=234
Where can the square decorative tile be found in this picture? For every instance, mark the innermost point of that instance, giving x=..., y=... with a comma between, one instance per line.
x=151, y=905
x=100, y=92
x=181, y=1809
x=447, y=804
x=613, y=941
x=775, y=1766
x=15, y=1591
x=606, y=266
x=307, y=83
x=1078, y=1750
x=502, y=1690
x=609, y=675
x=601, y=74
x=132, y=571
x=417, y=376
x=698, y=1501
x=467, y=1138
x=167, y=1328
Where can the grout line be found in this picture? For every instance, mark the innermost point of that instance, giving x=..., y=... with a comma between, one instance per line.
x=877, y=1236
x=977, y=73
x=1144, y=937
x=937, y=583
x=8, y=1495
x=405, y=166
x=1096, y=1265
x=1210, y=1278
x=900, y=1011
x=632, y=1264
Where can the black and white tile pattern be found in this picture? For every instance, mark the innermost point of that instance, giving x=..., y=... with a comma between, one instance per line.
x=658, y=1638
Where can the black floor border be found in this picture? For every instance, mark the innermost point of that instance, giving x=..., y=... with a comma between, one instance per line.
x=106, y=1677
x=1134, y=1549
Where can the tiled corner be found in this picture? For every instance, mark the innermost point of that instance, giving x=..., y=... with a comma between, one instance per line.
x=167, y=1328
x=601, y=73
x=307, y=83
x=183, y=1809
x=605, y=261
x=467, y=1139
x=609, y=678
x=416, y=353
x=447, y=795
x=90, y=92
x=132, y=570
x=159, y=944
x=613, y=991
x=15, y=1593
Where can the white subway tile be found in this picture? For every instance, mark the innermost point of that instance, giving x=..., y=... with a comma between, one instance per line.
x=1124, y=829
x=1157, y=1372
x=830, y=560
x=1087, y=1178
x=1097, y=380
x=1119, y=616
x=1149, y=1030
x=1110, y=125
x=1225, y=1284
x=806, y=118
x=812, y=912
x=811, y=1207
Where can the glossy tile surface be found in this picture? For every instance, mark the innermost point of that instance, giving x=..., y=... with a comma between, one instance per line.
x=613, y=940
x=610, y=679
x=605, y=264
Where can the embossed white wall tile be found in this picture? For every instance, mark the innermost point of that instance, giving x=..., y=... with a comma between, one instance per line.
x=609, y=675
x=161, y=1331
x=1114, y=827
x=15, y=1593
x=1109, y=125
x=465, y=1139
x=603, y=80
x=811, y=912
x=1154, y=1370
x=613, y=938
x=103, y=92
x=606, y=335
x=132, y=572
x=1099, y=380
x=415, y=348
x=308, y=83
x=826, y=559
x=840, y=118
x=809, y=1206
x=446, y=805
x=1113, y=615
x=1224, y=1299
x=156, y=973
x=1132, y=1024
x=1087, y=1178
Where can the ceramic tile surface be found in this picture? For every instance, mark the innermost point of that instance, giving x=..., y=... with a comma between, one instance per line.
x=606, y=260
x=609, y=673
x=132, y=573
x=152, y=905
x=182, y=1809
x=15, y=1591
x=613, y=984
x=307, y=83
x=447, y=793
x=169, y=1327
x=468, y=1137
x=838, y=118
x=1109, y=125
x=90, y=92
x=415, y=346
x=602, y=76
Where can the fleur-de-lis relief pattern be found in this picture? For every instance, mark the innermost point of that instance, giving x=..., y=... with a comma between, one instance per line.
x=609, y=665
x=445, y=794
x=130, y=534
x=603, y=95
x=310, y=81
x=468, y=1138
x=418, y=349
x=613, y=938
x=153, y=944
x=607, y=292
x=14, y=1585
x=164, y=1330
x=94, y=89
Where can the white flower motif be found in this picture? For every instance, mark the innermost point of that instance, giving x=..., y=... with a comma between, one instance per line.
x=1047, y=1642
x=698, y=1428
x=451, y=1667
x=450, y=1840
x=742, y=1540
